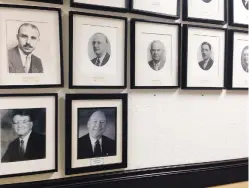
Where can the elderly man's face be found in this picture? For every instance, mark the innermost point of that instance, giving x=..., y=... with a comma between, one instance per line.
x=206, y=52
x=157, y=51
x=97, y=124
x=22, y=125
x=246, y=56
x=99, y=44
x=27, y=39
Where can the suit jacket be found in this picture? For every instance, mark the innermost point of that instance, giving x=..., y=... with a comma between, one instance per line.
x=85, y=147
x=209, y=65
x=36, y=149
x=105, y=60
x=151, y=63
x=16, y=66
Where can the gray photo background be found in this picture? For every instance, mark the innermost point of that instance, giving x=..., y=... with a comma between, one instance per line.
x=85, y=113
x=7, y=133
x=91, y=53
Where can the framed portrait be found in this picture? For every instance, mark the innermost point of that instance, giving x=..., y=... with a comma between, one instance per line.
x=97, y=51
x=204, y=57
x=48, y=1
x=238, y=13
x=96, y=132
x=160, y=8
x=108, y=5
x=238, y=60
x=205, y=11
x=31, y=55
x=155, y=54
x=28, y=134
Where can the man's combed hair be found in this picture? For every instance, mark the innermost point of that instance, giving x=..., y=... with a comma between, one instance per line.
x=206, y=43
x=28, y=25
x=23, y=112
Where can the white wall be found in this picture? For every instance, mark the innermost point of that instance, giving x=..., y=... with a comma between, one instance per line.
x=165, y=127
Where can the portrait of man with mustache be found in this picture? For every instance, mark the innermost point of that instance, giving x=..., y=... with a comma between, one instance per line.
x=21, y=58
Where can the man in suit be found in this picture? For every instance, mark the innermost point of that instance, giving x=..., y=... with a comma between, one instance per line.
x=29, y=145
x=95, y=144
x=100, y=44
x=245, y=3
x=207, y=61
x=21, y=58
x=157, y=55
x=245, y=59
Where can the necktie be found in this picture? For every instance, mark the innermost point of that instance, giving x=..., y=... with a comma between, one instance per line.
x=26, y=64
x=21, y=148
x=98, y=62
x=97, y=149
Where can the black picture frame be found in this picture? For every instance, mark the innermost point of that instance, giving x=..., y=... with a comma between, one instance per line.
x=58, y=10
x=49, y=1
x=29, y=95
x=133, y=55
x=229, y=62
x=100, y=7
x=149, y=13
x=184, y=67
x=185, y=16
x=68, y=142
x=71, y=44
x=231, y=21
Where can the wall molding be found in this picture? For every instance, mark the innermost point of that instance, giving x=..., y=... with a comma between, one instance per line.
x=190, y=175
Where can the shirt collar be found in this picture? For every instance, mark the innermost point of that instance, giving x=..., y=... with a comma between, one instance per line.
x=23, y=56
x=102, y=58
x=25, y=138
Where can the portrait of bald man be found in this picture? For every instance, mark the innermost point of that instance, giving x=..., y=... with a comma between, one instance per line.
x=245, y=58
x=157, y=52
x=95, y=144
x=21, y=58
x=100, y=45
x=206, y=52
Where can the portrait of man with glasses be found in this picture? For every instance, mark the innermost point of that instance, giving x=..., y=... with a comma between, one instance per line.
x=28, y=144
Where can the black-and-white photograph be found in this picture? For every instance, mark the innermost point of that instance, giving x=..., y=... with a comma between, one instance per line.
x=203, y=59
x=245, y=58
x=245, y=3
x=96, y=132
x=160, y=8
x=205, y=11
x=156, y=55
x=31, y=55
x=23, y=134
x=99, y=49
x=205, y=56
x=206, y=1
x=21, y=53
x=28, y=134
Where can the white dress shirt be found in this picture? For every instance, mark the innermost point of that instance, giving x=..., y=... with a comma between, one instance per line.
x=26, y=60
x=25, y=141
x=93, y=140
